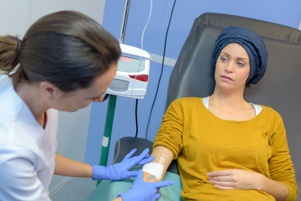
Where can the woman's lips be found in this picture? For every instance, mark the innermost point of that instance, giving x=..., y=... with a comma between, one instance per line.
x=226, y=77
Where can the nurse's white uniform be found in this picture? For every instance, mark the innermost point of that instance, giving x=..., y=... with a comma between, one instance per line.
x=27, y=151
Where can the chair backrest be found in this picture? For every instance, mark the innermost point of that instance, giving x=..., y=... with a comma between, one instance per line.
x=193, y=74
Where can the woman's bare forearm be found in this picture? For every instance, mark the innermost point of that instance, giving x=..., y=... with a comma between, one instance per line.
x=72, y=168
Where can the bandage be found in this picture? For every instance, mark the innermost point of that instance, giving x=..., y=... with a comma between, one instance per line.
x=154, y=169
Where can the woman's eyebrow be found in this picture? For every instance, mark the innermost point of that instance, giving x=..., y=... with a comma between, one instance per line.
x=239, y=58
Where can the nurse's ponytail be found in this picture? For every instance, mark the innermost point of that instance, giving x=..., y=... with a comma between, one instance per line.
x=9, y=53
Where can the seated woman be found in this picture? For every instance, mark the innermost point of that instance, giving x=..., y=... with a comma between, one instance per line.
x=226, y=147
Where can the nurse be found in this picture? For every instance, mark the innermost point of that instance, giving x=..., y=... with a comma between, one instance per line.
x=65, y=61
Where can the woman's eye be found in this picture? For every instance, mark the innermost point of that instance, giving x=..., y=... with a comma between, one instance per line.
x=240, y=64
x=224, y=59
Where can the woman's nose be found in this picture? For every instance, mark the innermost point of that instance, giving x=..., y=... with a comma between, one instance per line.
x=229, y=67
x=97, y=99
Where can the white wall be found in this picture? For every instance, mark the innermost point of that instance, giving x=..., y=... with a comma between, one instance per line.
x=15, y=18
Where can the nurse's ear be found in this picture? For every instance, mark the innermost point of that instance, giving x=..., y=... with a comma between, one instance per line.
x=50, y=91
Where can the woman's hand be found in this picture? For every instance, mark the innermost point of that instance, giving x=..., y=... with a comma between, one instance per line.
x=236, y=179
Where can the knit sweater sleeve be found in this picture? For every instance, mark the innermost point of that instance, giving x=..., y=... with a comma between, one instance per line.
x=281, y=166
x=171, y=130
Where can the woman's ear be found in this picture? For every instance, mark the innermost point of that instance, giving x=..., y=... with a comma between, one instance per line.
x=49, y=90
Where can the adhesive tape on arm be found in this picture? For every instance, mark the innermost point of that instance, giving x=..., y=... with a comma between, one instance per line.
x=154, y=169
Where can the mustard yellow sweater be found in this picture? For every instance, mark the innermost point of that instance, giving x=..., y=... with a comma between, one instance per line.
x=202, y=142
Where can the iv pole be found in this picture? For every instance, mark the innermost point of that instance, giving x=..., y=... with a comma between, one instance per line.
x=112, y=103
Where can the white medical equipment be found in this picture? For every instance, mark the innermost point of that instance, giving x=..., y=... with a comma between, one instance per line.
x=131, y=79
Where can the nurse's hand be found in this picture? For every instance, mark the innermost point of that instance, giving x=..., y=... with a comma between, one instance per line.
x=144, y=191
x=121, y=170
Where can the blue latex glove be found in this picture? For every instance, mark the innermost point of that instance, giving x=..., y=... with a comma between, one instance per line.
x=121, y=170
x=144, y=191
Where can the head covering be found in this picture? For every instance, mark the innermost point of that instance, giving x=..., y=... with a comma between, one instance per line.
x=251, y=42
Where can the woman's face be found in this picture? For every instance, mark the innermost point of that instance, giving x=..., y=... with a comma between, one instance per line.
x=81, y=98
x=232, y=67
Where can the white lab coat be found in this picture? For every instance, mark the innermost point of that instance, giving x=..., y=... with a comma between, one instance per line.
x=27, y=151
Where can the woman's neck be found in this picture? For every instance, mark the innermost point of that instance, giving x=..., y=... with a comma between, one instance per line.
x=230, y=107
x=30, y=94
x=228, y=99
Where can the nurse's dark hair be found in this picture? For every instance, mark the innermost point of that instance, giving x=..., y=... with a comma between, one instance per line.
x=66, y=48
